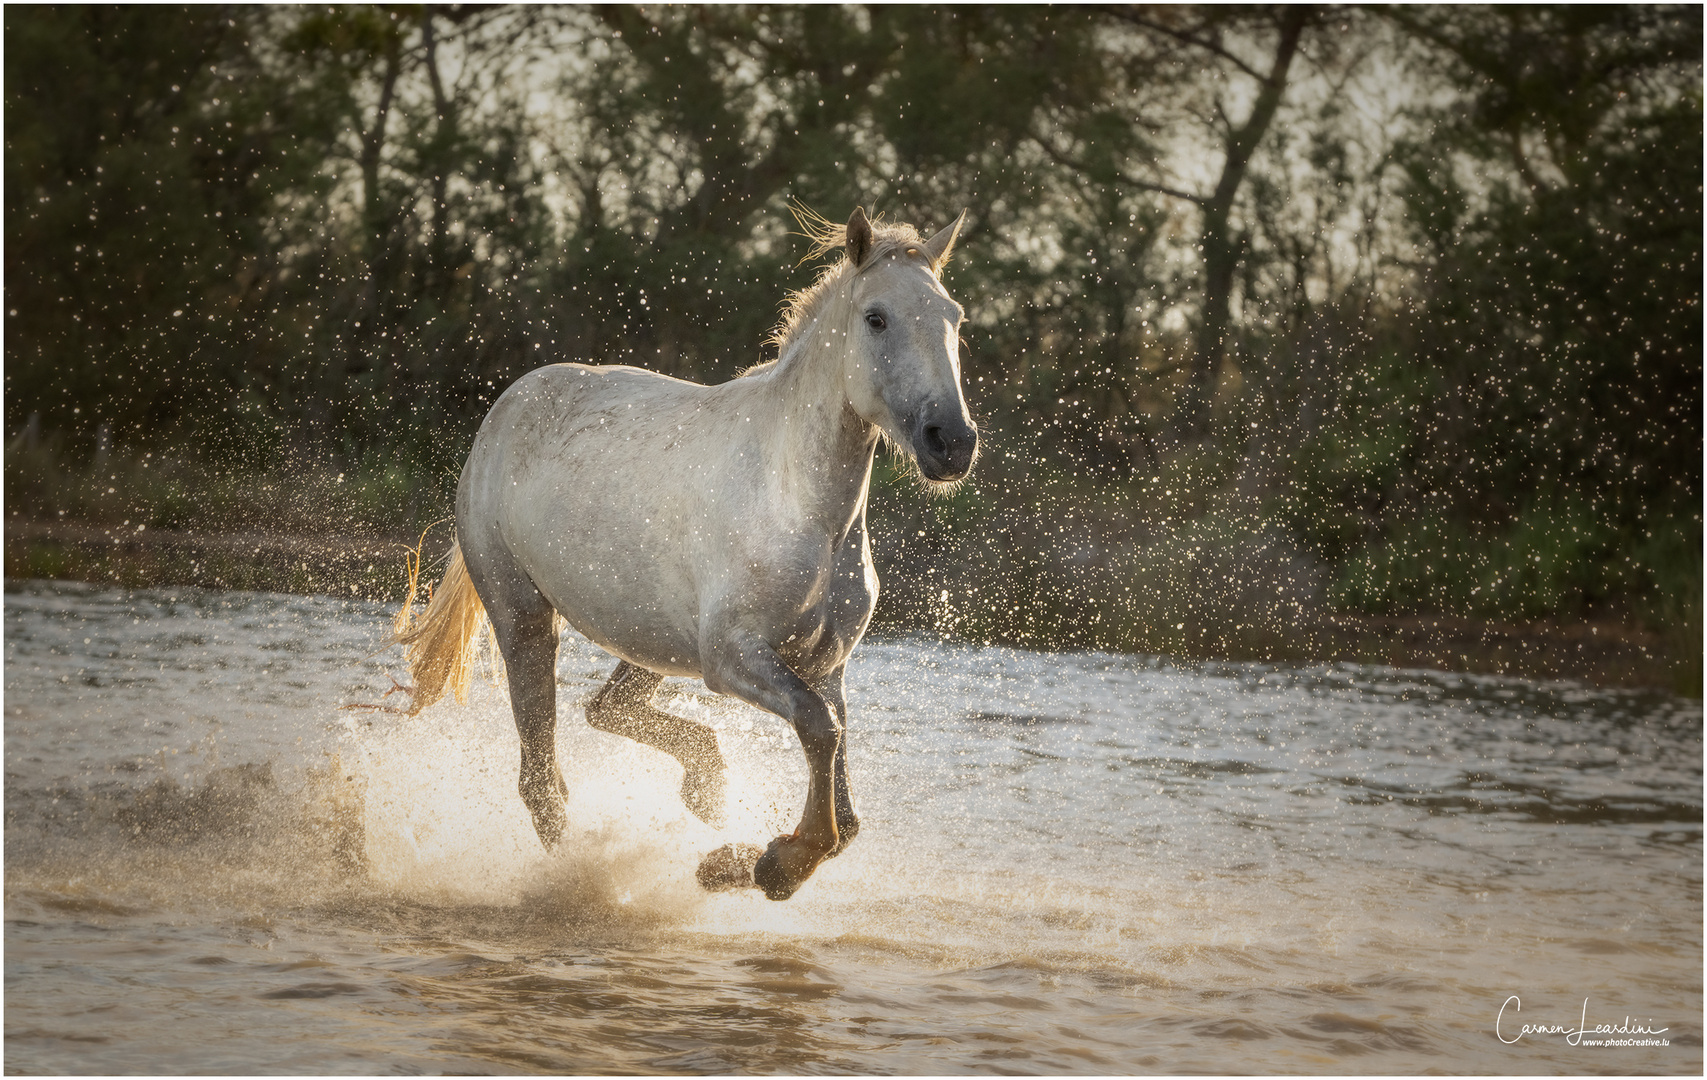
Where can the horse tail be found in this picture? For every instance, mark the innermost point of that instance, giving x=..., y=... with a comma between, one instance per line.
x=443, y=643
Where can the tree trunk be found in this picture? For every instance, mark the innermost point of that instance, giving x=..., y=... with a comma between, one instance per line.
x=444, y=135
x=376, y=223
x=1222, y=249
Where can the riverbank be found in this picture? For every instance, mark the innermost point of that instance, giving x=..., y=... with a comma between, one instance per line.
x=1601, y=653
x=137, y=557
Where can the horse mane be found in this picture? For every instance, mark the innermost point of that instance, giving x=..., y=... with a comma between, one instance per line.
x=803, y=305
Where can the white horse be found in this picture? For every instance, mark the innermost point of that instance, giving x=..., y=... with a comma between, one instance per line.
x=709, y=531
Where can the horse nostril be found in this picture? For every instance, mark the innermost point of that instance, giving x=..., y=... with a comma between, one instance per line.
x=934, y=440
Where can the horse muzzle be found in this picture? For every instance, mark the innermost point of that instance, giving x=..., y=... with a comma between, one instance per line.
x=945, y=447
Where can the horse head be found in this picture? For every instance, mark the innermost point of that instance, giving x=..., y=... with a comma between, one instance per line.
x=903, y=335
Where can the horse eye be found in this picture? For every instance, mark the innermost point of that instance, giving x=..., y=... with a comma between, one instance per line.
x=875, y=321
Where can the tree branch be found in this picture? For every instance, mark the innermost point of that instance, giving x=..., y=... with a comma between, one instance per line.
x=1061, y=157
x=1132, y=13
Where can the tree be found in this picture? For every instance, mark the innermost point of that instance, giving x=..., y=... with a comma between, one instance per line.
x=1583, y=260
x=1173, y=40
x=141, y=154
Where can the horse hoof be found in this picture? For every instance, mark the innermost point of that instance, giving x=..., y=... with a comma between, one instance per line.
x=770, y=877
x=784, y=867
x=550, y=821
x=729, y=867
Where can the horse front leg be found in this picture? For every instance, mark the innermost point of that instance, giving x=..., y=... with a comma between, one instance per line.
x=847, y=822
x=745, y=666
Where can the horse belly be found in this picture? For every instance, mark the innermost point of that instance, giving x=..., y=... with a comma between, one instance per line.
x=617, y=582
x=622, y=630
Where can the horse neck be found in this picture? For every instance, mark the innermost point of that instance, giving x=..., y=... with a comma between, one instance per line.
x=825, y=446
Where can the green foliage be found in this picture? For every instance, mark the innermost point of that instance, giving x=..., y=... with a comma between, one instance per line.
x=1348, y=473
x=1553, y=561
x=131, y=186
x=1565, y=312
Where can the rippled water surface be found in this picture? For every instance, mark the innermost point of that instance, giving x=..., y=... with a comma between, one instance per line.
x=1068, y=863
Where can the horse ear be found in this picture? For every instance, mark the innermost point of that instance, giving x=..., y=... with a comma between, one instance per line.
x=942, y=243
x=859, y=237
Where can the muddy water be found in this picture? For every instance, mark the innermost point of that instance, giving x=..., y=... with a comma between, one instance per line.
x=1069, y=863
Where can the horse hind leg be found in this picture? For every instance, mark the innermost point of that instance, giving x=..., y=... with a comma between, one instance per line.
x=624, y=707
x=532, y=669
x=524, y=625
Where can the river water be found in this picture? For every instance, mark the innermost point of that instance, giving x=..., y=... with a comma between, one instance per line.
x=1079, y=863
